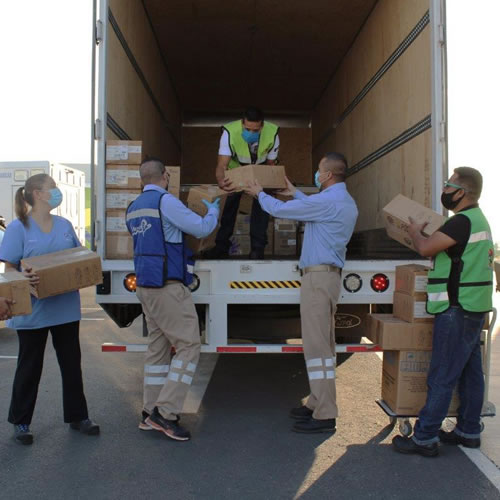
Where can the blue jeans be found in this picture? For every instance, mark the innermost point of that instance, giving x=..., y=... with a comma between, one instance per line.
x=456, y=358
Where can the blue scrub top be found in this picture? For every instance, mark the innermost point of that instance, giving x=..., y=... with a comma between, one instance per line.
x=21, y=242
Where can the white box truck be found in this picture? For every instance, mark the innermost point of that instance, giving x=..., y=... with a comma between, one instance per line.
x=365, y=78
x=70, y=181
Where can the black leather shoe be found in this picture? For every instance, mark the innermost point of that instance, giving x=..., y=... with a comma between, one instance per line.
x=170, y=428
x=256, y=254
x=407, y=445
x=86, y=427
x=313, y=426
x=452, y=438
x=22, y=434
x=301, y=413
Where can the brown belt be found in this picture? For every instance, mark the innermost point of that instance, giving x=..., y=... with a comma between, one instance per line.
x=327, y=268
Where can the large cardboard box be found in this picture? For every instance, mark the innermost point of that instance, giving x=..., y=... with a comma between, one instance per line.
x=397, y=215
x=410, y=308
x=412, y=279
x=119, y=243
x=268, y=176
x=394, y=334
x=404, y=382
x=15, y=286
x=195, y=203
x=240, y=245
x=120, y=198
x=64, y=271
x=285, y=237
x=124, y=152
x=123, y=177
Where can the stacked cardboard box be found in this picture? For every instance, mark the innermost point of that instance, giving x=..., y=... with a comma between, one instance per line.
x=285, y=237
x=123, y=185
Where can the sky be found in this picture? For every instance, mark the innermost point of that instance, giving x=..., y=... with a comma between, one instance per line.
x=45, y=85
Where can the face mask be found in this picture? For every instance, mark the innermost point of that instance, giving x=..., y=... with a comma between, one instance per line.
x=316, y=180
x=250, y=137
x=448, y=203
x=56, y=197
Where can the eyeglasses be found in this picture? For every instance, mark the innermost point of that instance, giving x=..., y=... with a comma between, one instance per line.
x=450, y=184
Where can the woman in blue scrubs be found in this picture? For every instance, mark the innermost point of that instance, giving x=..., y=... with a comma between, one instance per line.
x=33, y=233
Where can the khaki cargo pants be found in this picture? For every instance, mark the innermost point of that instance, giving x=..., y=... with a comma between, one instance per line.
x=172, y=321
x=319, y=294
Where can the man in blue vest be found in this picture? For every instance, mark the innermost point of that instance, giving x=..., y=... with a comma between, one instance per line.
x=250, y=140
x=459, y=293
x=158, y=223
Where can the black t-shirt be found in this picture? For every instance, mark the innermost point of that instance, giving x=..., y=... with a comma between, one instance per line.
x=457, y=228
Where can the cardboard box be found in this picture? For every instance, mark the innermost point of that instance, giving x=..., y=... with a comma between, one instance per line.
x=285, y=237
x=123, y=177
x=174, y=183
x=120, y=198
x=404, y=382
x=64, y=271
x=396, y=216
x=412, y=279
x=194, y=202
x=394, y=334
x=268, y=176
x=240, y=245
x=119, y=243
x=15, y=286
x=242, y=224
x=410, y=308
x=124, y=152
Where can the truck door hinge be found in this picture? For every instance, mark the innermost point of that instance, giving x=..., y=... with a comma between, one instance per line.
x=441, y=37
x=98, y=32
x=97, y=130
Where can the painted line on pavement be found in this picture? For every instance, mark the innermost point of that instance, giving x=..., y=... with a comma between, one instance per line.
x=484, y=464
x=8, y=357
x=93, y=319
x=91, y=309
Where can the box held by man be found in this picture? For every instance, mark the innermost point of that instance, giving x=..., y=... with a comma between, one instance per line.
x=268, y=176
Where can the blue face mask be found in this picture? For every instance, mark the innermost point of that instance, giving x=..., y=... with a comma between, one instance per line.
x=250, y=137
x=56, y=197
x=316, y=179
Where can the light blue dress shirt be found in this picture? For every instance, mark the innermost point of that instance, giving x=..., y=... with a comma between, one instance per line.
x=178, y=219
x=329, y=216
x=21, y=242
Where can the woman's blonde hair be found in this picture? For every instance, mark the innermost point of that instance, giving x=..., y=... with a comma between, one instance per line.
x=24, y=196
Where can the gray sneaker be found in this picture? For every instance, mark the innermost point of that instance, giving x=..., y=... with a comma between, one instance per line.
x=22, y=434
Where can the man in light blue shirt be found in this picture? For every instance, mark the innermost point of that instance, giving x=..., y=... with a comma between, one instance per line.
x=158, y=222
x=330, y=217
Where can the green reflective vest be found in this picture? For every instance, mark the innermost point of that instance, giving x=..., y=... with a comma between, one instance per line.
x=476, y=277
x=240, y=149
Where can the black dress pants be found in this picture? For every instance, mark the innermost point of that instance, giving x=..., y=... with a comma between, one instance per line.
x=66, y=342
x=258, y=224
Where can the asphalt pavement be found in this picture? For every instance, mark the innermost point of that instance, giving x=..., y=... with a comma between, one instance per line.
x=242, y=446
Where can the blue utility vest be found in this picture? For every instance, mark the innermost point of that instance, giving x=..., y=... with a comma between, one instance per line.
x=155, y=260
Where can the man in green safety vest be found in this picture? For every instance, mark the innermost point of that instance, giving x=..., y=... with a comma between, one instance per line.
x=459, y=293
x=245, y=141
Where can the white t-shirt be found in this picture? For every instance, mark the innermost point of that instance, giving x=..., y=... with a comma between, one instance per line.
x=225, y=150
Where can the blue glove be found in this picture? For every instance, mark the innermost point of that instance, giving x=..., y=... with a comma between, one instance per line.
x=214, y=204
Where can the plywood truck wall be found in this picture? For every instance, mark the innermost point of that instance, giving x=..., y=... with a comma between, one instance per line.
x=141, y=101
x=361, y=113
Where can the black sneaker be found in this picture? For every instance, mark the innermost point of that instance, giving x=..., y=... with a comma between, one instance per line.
x=170, y=428
x=452, y=438
x=144, y=426
x=407, y=445
x=22, y=434
x=86, y=427
x=301, y=413
x=313, y=426
x=257, y=254
x=215, y=253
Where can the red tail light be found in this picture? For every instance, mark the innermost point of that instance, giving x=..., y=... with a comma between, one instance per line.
x=379, y=283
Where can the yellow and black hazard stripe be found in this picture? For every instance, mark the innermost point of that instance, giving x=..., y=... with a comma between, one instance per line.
x=260, y=285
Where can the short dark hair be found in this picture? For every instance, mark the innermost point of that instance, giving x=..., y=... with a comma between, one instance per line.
x=337, y=165
x=253, y=114
x=151, y=169
x=471, y=179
